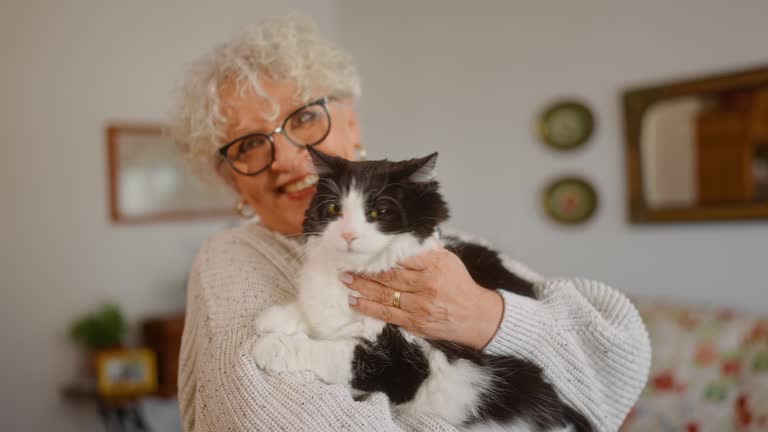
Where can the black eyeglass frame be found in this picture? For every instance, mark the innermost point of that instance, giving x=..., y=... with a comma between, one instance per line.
x=323, y=102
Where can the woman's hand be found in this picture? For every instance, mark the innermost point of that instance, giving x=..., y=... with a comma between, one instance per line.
x=438, y=299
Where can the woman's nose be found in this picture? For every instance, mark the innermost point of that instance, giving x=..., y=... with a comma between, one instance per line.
x=287, y=155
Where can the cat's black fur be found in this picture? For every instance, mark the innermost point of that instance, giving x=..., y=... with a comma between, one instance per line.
x=415, y=208
x=391, y=364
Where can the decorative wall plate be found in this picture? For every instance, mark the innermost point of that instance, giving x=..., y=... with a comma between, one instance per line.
x=570, y=200
x=566, y=125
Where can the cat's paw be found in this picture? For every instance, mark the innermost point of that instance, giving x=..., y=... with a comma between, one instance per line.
x=269, y=321
x=273, y=352
x=280, y=319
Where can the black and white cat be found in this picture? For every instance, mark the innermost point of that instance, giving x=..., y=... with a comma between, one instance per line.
x=366, y=217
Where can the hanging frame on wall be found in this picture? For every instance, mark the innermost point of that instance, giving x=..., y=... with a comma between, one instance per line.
x=570, y=200
x=697, y=148
x=566, y=125
x=149, y=183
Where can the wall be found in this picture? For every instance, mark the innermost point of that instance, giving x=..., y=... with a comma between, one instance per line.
x=454, y=76
x=67, y=69
x=468, y=78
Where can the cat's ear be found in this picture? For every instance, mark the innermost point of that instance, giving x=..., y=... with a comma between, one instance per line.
x=325, y=164
x=423, y=169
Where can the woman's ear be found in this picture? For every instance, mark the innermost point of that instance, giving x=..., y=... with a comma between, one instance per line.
x=353, y=124
x=351, y=121
x=231, y=180
x=226, y=176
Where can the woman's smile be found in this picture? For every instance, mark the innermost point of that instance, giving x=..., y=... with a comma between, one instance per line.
x=299, y=185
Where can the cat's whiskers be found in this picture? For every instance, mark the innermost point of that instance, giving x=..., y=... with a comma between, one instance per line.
x=295, y=235
x=302, y=234
x=300, y=252
x=326, y=196
x=296, y=253
x=311, y=233
x=322, y=203
x=331, y=184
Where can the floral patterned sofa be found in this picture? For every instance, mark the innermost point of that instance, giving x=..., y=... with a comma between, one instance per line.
x=709, y=371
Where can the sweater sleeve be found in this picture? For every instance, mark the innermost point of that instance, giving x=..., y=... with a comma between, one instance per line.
x=587, y=337
x=220, y=386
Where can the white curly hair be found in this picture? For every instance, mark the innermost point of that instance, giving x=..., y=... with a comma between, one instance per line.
x=284, y=48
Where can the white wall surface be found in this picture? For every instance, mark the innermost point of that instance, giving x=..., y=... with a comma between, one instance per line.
x=68, y=67
x=468, y=79
x=464, y=78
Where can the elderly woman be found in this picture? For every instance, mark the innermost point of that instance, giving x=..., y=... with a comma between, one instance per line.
x=242, y=116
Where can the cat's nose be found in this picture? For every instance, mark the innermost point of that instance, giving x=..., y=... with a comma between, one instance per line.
x=348, y=236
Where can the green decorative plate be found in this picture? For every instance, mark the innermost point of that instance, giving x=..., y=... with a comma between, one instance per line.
x=566, y=125
x=570, y=200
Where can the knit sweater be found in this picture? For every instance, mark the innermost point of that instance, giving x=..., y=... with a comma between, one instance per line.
x=588, y=339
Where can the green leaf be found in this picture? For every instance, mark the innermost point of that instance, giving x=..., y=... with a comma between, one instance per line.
x=103, y=329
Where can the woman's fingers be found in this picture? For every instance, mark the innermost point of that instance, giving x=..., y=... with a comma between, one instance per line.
x=424, y=261
x=398, y=278
x=381, y=312
x=379, y=293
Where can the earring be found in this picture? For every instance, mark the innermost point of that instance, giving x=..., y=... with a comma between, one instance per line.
x=361, y=152
x=244, y=210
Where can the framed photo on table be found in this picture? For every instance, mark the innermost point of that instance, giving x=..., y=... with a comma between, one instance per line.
x=126, y=372
x=148, y=181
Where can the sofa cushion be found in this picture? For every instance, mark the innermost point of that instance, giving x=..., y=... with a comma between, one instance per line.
x=709, y=370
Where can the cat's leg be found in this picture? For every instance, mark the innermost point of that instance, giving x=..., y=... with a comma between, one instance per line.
x=391, y=363
x=487, y=267
x=330, y=360
x=286, y=319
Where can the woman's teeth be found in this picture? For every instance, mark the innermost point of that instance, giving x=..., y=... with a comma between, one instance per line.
x=301, y=184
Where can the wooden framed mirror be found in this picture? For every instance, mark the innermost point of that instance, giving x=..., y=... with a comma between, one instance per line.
x=148, y=181
x=697, y=150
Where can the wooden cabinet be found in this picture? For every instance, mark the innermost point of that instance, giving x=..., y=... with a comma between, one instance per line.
x=163, y=335
x=728, y=135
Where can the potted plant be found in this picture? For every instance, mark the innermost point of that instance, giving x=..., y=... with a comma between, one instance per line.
x=99, y=331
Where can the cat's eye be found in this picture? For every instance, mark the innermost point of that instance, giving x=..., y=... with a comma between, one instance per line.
x=376, y=213
x=333, y=209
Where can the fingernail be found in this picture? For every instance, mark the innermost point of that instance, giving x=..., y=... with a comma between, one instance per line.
x=352, y=300
x=347, y=278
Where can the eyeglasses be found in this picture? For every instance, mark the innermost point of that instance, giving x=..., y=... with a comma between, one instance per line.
x=253, y=153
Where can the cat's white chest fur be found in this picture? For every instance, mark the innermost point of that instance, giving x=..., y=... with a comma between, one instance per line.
x=319, y=331
x=323, y=298
x=323, y=301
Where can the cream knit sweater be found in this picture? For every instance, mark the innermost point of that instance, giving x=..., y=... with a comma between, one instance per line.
x=587, y=337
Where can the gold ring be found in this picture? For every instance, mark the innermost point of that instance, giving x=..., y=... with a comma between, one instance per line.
x=396, y=299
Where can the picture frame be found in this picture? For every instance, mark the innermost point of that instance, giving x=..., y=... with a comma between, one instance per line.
x=566, y=125
x=149, y=182
x=661, y=191
x=131, y=372
x=570, y=200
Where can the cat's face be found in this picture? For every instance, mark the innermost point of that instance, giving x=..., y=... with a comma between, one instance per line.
x=361, y=208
